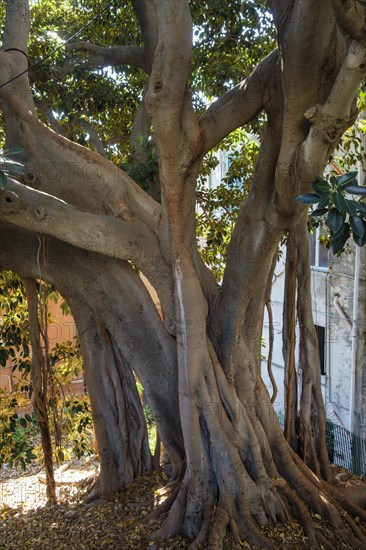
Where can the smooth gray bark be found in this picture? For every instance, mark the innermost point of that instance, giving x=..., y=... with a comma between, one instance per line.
x=200, y=365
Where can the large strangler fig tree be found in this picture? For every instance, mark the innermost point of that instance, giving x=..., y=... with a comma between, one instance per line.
x=79, y=221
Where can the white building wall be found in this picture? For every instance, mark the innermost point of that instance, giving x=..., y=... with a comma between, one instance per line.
x=326, y=285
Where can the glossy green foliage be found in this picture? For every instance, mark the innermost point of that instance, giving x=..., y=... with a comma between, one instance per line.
x=14, y=336
x=106, y=98
x=227, y=44
x=218, y=206
x=9, y=166
x=16, y=431
x=77, y=427
x=336, y=205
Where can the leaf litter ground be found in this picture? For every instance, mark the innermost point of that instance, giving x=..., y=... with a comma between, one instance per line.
x=27, y=522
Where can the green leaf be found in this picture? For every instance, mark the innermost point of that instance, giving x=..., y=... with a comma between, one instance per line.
x=319, y=212
x=360, y=241
x=25, y=350
x=3, y=180
x=324, y=201
x=308, y=198
x=14, y=151
x=338, y=241
x=16, y=168
x=360, y=206
x=350, y=207
x=31, y=455
x=346, y=179
x=356, y=190
x=335, y=220
x=320, y=185
x=3, y=357
x=23, y=422
x=357, y=225
x=339, y=201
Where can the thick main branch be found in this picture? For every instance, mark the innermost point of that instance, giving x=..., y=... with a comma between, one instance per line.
x=239, y=105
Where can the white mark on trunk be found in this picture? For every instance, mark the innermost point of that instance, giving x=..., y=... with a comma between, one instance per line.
x=183, y=322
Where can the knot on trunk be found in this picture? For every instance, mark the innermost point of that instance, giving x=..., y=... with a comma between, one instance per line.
x=30, y=179
x=39, y=213
x=10, y=203
x=326, y=125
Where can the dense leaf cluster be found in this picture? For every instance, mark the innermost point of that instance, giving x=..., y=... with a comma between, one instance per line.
x=341, y=212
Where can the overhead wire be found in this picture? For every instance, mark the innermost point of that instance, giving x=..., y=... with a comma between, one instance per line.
x=55, y=50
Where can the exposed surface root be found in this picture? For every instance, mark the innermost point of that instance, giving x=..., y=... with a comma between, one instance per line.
x=78, y=526
x=94, y=492
x=219, y=524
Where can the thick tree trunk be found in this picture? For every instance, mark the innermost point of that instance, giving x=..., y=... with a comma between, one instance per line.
x=200, y=367
x=312, y=414
x=85, y=281
x=118, y=418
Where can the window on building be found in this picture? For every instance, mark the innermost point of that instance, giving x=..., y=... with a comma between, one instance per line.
x=320, y=332
x=319, y=255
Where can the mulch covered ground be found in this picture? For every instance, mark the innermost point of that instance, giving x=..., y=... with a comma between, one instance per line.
x=28, y=522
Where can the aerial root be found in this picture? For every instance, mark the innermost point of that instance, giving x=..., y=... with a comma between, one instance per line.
x=346, y=503
x=359, y=537
x=219, y=524
x=234, y=530
x=165, y=506
x=249, y=531
x=329, y=503
x=301, y=512
x=208, y=518
x=173, y=524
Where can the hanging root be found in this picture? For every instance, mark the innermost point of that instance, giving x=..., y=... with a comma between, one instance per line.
x=208, y=519
x=173, y=524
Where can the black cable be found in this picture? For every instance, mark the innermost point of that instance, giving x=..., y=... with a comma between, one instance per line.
x=56, y=49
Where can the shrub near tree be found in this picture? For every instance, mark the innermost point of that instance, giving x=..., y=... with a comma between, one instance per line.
x=85, y=222
x=68, y=417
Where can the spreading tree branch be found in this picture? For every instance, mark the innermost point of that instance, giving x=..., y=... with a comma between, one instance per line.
x=17, y=26
x=239, y=105
x=115, y=139
x=146, y=16
x=84, y=178
x=14, y=58
x=48, y=114
x=111, y=56
x=94, y=138
x=330, y=120
x=111, y=236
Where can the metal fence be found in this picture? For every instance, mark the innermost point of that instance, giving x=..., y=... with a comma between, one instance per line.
x=346, y=449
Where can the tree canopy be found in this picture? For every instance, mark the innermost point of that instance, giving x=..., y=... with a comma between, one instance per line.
x=115, y=129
